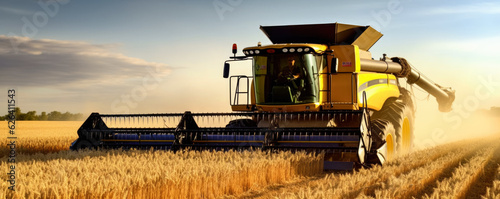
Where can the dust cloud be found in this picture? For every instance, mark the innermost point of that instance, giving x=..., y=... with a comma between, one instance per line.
x=434, y=128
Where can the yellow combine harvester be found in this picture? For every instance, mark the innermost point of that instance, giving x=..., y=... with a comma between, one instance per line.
x=316, y=88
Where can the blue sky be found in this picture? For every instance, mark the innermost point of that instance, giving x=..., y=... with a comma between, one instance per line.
x=88, y=56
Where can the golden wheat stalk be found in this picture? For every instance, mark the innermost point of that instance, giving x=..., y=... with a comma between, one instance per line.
x=463, y=177
x=494, y=191
x=146, y=174
x=417, y=179
x=367, y=181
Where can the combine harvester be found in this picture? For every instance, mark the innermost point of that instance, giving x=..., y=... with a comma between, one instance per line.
x=316, y=88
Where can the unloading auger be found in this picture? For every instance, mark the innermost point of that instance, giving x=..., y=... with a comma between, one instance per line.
x=316, y=88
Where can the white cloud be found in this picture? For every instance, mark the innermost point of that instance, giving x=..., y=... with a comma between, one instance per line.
x=54, y=63
x=75, y=76
x=477, y=8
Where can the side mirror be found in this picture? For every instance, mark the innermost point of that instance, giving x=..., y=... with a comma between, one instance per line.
x=226, y=70
x=333, y=65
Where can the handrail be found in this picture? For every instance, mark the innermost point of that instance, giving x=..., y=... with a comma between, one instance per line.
x=238, y=92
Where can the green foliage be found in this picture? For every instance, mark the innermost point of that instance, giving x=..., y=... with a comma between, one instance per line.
x=43, y=116
x=52, y=116
x=30, y=115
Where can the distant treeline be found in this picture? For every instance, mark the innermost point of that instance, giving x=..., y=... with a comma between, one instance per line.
x=44, y=116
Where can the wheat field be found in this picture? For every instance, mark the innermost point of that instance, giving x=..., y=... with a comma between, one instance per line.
x=40, y=136
x=494, y=190
x=151, y=174
x=47, y=169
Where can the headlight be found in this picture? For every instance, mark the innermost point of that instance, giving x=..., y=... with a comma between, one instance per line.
x=292, y=50
x=285, y=50
x=299, y=50
x=257, y=51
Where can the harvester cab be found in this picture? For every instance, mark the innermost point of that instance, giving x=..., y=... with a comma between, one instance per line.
x=315, y=88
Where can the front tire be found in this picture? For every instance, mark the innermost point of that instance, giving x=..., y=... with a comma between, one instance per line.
x=384, y=142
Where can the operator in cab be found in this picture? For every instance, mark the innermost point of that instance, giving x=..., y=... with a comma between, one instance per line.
x=291, y=71
x=291, y=75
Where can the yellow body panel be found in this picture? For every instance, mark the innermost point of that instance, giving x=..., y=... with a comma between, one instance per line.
x=348, y=58
x=323, y=88
x=343, y=90
x=378, y=87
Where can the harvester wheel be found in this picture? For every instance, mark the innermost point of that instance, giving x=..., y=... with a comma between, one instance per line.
x=383, y=133
x=400, y=113
x=241, y=123
x=407, y=127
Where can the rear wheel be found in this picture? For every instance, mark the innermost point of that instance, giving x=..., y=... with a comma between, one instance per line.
x=400, y=113
x=407, y=133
